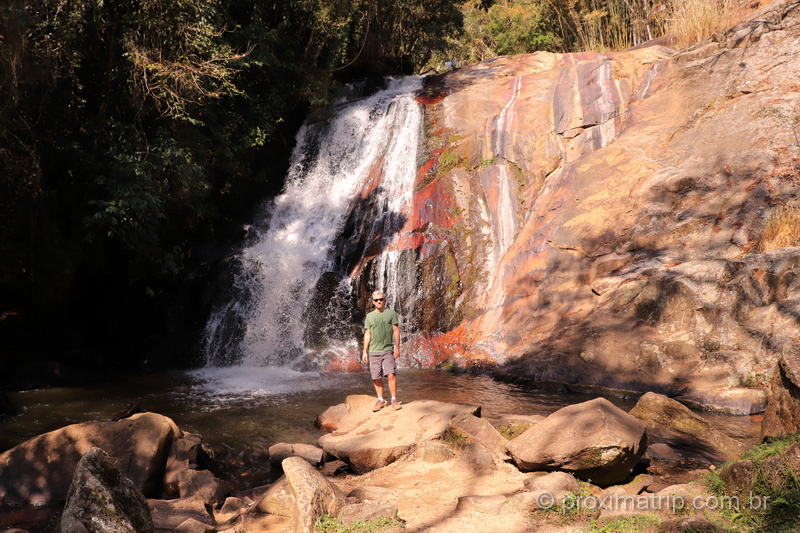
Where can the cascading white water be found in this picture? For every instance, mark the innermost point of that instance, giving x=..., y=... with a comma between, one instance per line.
x=278, y=274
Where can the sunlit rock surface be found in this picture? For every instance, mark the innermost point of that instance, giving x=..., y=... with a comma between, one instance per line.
x=594, y=219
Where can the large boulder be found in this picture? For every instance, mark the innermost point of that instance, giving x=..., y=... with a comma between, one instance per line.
x=278, y=499
x=313, y=494
x=556, y=483
x=102, y=500
x=39, y=471
x=782, y=415
x=370, y=440
x=671, y=422
x=594, y=440
x=185, y=454
x=329, y=419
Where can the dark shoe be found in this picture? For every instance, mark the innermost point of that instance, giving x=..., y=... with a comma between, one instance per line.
x=396, y=405
x=380, y=404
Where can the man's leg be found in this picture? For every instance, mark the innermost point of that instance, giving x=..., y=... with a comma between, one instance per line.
x=379, y=386
x=392, y=384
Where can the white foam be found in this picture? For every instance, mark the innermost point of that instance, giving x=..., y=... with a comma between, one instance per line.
x=254, y=381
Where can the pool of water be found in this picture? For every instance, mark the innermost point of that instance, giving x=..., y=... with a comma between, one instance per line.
x=241, y=411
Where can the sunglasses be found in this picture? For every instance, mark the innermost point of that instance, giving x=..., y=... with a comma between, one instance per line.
x=377, y=299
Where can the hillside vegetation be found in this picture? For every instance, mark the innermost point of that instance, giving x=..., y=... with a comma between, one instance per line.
x=505, y=27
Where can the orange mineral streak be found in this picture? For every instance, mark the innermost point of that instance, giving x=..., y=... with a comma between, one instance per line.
x=344, y=363
x=429, y=100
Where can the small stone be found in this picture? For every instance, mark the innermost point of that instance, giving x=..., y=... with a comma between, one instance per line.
x=557, y=483
x=203, y=485
x=191, y=525
x=230, y=511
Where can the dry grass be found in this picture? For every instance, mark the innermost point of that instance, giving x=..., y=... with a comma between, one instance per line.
x=691, y=21
x=782, y=229
x=619, y=24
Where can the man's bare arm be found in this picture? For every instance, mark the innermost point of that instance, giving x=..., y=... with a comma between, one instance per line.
x=367, y=338
x=396, y=333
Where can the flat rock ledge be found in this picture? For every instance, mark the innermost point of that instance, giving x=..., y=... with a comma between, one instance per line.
x=370, y=440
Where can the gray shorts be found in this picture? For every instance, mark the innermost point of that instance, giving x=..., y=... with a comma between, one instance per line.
x=381, y=364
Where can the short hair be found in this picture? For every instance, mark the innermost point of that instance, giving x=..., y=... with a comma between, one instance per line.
x=377, y=294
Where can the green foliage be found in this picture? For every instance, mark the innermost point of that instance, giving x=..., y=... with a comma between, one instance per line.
x=520, y=26
x=132, y=132
x=626, y=524
x=456, y=439
x=501, y=28
x=328, y=524
x=770, y=448
x=512, y=431
x=777, y=480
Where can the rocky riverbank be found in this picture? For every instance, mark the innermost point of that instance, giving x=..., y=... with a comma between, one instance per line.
x=430, y=466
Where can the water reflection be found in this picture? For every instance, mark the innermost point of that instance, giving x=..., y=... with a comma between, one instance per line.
x=241, y=411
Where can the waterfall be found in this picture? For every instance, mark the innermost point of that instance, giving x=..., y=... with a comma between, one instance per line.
x=364, y=159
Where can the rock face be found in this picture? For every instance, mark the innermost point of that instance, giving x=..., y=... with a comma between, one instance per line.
x=370, y=440
x=593, y=440
x=597, y=218
x=313, y=494
x=39, y=471
x=783, y=408
x=670, y=422
x=102, y=500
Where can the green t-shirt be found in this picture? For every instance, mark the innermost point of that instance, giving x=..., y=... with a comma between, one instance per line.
x=380, y=324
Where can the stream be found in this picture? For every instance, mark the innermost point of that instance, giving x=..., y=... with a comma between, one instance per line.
x=241, y=411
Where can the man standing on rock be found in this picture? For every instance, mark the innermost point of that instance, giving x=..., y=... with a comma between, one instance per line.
x=382, y=348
